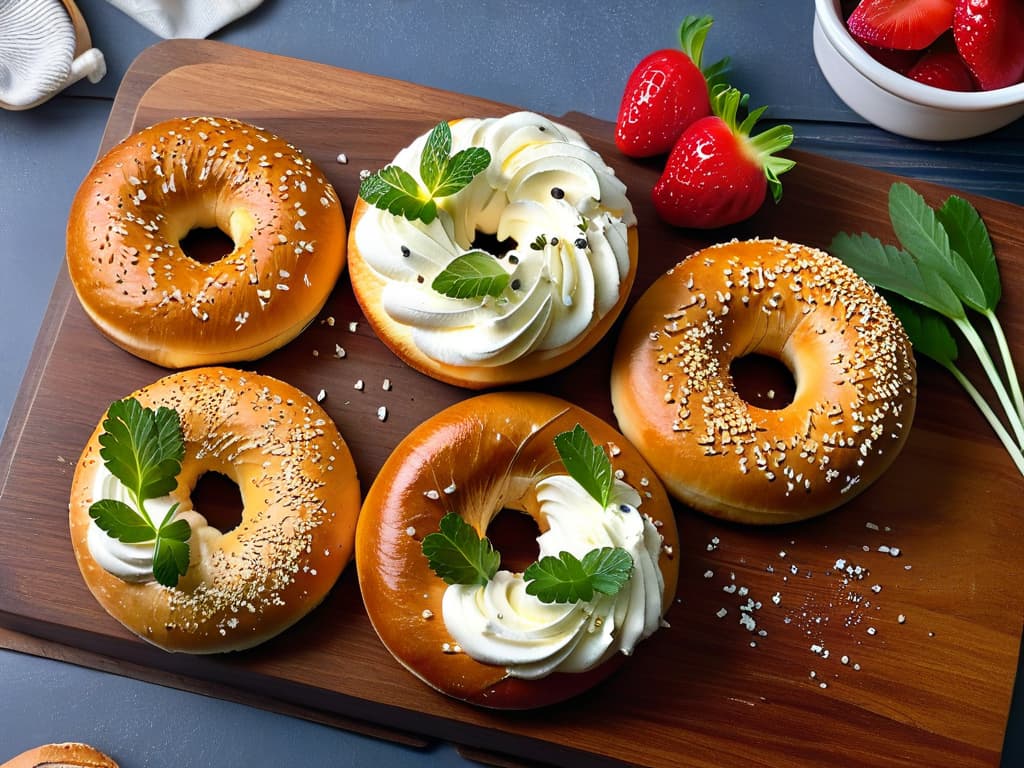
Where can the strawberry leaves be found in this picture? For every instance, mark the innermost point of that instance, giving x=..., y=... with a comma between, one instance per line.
x=143, y=448
x=395, y=190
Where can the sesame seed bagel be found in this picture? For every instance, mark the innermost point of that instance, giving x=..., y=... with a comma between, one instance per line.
x=674, y=395
x=483, y=455
x=143, y=197
x=65, y=755
x=300, y=498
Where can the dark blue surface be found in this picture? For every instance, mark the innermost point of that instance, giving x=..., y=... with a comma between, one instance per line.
x=544, y=56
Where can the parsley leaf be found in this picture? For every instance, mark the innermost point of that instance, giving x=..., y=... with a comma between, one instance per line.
x=566, y=579
x=143, y=449
x=586, y=463
x=458, y=555
x=471, y=275
x=397, y=191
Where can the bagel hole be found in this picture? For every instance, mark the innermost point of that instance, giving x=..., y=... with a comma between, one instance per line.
x=763, y=381
x=514, y=534
x=217, y=498
x=489, y=242
x=206, y=244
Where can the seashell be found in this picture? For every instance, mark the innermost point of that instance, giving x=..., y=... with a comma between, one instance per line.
x=44, y=48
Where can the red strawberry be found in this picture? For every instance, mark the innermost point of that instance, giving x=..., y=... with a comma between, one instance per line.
x=990, y=37
x=907, y=25
x=897, y=61
x=942, y=69
x=666, y=92
x=717, y=174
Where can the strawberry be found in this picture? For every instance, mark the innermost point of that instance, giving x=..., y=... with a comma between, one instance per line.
x=717, y=174
x=990, y=37
x=907, y=25
x=942, y=69
x=666, y=92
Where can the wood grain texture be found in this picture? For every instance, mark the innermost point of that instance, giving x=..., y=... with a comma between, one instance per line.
x=829, y=674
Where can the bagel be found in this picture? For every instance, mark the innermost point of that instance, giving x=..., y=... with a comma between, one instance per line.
x=478, y=457
x=300, y=498
x=557, y=221
x=66, y=755
x=149, y=297
x=674, y=396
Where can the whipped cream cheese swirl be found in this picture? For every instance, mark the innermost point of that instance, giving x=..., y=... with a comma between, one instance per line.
x=501, y=624
x=134, y=562
x=566, y=215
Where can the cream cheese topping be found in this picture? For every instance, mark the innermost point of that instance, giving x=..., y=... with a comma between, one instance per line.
x=501, y=624
x=565, y=215
x=133, y=562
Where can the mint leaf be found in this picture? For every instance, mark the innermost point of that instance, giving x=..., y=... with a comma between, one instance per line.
x=121, y=522
x=586, y=463
x=397, y=192
x=142, y=448
x=892, y=269
x=920, y=231
x=968, y=236
x=458, y=555
x=471, y=275
x=462, y=169
x=171, y=555
x=434, y=160
x=565, y=579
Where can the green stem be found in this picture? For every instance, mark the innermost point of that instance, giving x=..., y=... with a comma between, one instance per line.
x=1008, y=367
x=1004, y=436
x=990, y=370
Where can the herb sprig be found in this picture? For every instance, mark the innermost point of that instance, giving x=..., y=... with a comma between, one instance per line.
x=945, y=269
x=395, y=190
x=143, y=448
x=459, y=556
x=471, y=275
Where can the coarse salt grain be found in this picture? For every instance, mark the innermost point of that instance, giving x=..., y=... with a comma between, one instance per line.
x=342, y=158
x=382, y=413
x=321, y=396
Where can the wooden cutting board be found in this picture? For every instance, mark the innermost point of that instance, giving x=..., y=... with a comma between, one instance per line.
x=908, y=661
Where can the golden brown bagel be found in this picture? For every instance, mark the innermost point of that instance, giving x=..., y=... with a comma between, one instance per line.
x=412, y=261
x=674, y=397
x=300, y=499
x=138, y=202
x=66, y=755
x=477, y=458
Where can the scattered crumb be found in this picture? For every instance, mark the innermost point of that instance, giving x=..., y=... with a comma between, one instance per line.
x=339, y=351
x=321, y=396
x=358, y=385
x=382, y=413
x=342, y=158
x=353, y=326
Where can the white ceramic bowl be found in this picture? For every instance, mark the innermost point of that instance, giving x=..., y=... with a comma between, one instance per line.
x=897, y=103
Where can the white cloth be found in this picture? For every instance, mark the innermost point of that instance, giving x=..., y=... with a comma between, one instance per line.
x=37, y=53
x=184, y=18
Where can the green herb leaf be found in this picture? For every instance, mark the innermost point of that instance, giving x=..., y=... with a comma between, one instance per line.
x=434, y=160
x=471, y=275
x=928, y=332
x=397, y=192
x=969, y=237
x=586, y=463
x=921, y=232
x=462, y=169
x=121, y=522
x=888, y=267
x=458, y=555
x=142, y=448
x=565, y=579
x=171, y=555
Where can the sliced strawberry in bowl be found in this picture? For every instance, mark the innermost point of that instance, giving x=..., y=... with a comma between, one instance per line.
x=942, y=67
x=906, y=25
x=989, y=35
x=666, y=92
x=718, y=174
